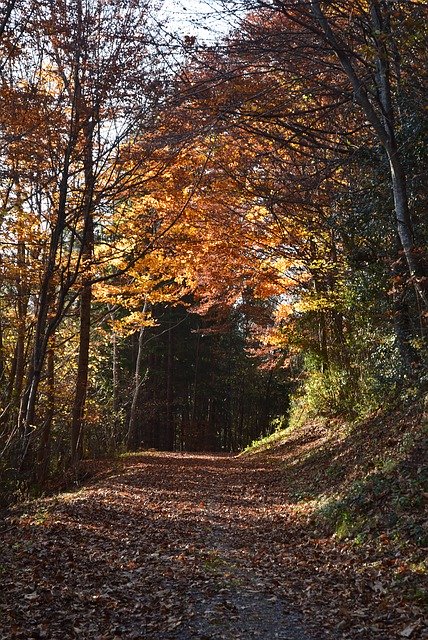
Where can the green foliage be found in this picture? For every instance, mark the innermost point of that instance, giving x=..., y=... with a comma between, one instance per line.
x=347, y=526
x=372, y=379
x=377, y=503
x=268, y=441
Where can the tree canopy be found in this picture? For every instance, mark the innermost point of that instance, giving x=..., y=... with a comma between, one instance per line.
x=199, y=239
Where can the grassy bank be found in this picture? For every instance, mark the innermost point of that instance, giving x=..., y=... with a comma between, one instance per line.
x=364, y=484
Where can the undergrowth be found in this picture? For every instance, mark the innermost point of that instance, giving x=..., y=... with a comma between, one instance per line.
x=358, y=480
x=265, y=443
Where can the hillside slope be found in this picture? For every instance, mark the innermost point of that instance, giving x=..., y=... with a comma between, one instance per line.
x=365, y=486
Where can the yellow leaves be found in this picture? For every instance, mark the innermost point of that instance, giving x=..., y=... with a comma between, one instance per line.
x=257, y=213
x=131, y=323
x=204, y=225
x=51, y=81
x=320, y=301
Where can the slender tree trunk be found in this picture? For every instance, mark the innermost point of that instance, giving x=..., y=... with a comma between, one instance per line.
x=170, y=436
x=82, y=375
x=45, y=441
x=16, y=380
x=383, y=126
x=115, y=382
x=2, y=367
x=17, y=372
x=133, y=430
x=44, y=329
x=7, y=12
x=241, y=417
x=27, y=411
x=405, y=226
x=115, y=373
x=195, y=387
x=267, y=403
x=85, y=297
x=44, y=326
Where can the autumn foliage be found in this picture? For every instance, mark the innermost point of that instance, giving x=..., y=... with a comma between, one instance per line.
x=195, y=240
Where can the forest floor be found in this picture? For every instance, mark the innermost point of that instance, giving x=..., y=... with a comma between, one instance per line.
x=173, y=546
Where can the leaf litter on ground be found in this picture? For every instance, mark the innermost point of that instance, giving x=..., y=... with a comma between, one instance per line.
x=191, y=547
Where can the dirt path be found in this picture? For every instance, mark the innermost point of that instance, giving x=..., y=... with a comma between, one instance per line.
x=192, y=547
x=175, y=547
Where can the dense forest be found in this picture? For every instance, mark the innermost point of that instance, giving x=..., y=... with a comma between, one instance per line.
x=201, y=240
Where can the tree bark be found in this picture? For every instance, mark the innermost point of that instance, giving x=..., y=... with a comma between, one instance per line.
x=383, y=126
x=170, y=435
x=45, y=441
x=132, y=436
x=85, y=297
x=44, y=328
x=82, y=375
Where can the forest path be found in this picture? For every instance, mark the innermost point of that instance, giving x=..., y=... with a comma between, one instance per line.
x=174, y=547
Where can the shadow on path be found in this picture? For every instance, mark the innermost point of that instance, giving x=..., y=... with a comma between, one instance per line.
x=177, y=547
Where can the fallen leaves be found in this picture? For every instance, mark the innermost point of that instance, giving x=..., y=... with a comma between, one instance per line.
x=186, y=547
x=408, y=631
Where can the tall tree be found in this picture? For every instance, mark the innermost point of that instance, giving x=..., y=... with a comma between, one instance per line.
x=358, y=47
x=88, y=96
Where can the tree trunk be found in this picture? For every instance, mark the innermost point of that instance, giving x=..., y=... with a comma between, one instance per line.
x=115, y=373
x=44, y=329
x=383, y=126
x=82, y=375
x=46, y=326
x=170, y=435
x=133, y=431
x=117, y=436
x=2, y=368
x=27, y=412
x=17, y=371
x=194, y=398
x=85, y=297
x=405, y=226
x=45, y=442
